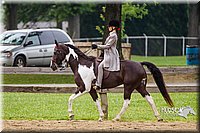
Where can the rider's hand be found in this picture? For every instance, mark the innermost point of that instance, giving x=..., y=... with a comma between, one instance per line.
x=94, y=46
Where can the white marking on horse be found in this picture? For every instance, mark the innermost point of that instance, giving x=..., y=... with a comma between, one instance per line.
x=125, y=106
x=153, y=106
x=70, y=101
x=87, y=75
x=98, y=104
x=71, y=52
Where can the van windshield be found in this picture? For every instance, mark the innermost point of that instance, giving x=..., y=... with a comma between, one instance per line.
x=12, y=38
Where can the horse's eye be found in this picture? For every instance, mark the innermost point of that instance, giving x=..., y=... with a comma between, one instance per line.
x=54, y=53
x=57, y=52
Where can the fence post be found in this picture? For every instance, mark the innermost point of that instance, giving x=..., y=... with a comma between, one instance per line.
x=183, y=50
x=146, y=45
x=127, y=39
x=165, y=44
x=104, y=103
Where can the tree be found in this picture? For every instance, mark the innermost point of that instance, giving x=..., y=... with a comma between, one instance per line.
x=120, y=12
x=130, y=11
x=11, y=16
x=35, y=12
x=113, y=12
x=89, y=21
x=56, y=12
x=194, y=22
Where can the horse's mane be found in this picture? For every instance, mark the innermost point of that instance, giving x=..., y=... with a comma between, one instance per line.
x=80, y=53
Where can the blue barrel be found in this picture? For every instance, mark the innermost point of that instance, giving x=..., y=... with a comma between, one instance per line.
x=192, y=55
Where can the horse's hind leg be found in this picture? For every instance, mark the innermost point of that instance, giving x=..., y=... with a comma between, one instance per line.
x=94, y=96
x=128, y=89
x=149, y=99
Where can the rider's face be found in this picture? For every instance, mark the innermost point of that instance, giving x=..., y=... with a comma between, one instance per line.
x=111, y=28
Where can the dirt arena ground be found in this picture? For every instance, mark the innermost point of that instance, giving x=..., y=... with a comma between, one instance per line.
x=95, y=126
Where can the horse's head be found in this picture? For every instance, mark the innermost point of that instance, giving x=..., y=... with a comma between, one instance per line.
x=191, y=111
x=184, y=111
x=60, y=52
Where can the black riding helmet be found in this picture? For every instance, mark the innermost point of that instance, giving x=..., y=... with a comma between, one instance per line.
x=114, y=23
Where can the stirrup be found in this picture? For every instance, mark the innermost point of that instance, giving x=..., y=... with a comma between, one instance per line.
x=93, y=83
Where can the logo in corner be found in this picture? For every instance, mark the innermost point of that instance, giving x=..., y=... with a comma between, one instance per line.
x=184, y=111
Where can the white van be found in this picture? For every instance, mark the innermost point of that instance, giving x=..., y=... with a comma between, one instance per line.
x=30, y=47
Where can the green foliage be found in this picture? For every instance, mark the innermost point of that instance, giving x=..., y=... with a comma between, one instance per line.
x=129, y=11
x=48, y=12
x=168, y=19
x=63, y=11
x=49, y=106
x=89, y=21
x=102, y=27
x=32, y=12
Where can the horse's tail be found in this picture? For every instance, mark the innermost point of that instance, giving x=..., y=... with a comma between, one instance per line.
x=158, y=77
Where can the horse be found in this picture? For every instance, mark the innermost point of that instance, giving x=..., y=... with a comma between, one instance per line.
x=185, y=111
x=132, y=75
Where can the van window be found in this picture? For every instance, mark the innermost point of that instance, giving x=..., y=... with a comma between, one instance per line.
x=34, y=38
x=46, y=37
x=60, y=37
x=12, y=38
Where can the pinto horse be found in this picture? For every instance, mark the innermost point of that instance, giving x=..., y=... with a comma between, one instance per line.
x=131, y=74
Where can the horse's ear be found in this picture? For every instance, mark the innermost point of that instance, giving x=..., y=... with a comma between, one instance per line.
x=56, y=43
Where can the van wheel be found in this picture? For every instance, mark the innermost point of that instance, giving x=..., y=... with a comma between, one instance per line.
x=20, y=61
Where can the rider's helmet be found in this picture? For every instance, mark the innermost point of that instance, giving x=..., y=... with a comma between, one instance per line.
x=114, y=23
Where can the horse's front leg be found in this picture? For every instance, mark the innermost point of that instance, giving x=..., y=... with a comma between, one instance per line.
x=70, y=101
x=94, y=96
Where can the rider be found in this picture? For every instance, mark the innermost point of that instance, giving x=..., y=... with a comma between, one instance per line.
x=111, y=61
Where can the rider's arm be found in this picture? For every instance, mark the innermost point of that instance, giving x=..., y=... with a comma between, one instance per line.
x=109, y=43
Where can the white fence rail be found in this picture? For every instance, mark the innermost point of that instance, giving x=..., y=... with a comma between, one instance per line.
x=164, y=40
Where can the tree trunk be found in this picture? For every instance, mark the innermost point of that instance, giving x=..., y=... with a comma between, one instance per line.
x=113, y=12
x=11, y=17
x=194, y=18
x=59, y=25
x=74, y=26
x=198, y=10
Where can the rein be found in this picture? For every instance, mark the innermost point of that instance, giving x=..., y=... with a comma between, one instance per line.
x=88, y=51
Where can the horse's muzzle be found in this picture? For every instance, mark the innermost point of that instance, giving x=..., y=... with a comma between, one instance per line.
x=53, y=66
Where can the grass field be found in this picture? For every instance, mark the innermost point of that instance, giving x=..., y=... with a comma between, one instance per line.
x=168, y=61
x=161, y=60
x=37, y=79
x=43, y=106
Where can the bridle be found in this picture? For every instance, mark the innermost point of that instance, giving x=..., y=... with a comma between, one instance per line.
x=66, y=63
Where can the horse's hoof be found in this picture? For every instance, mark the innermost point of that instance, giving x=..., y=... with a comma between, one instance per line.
x=115, y=119
x=71, y=117
x=100, y=120
x=160, y=120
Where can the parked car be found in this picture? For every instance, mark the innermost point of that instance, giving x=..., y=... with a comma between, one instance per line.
x=30, y=47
